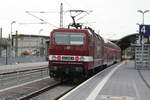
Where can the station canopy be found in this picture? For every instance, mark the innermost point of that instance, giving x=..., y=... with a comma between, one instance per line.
x=126, y=41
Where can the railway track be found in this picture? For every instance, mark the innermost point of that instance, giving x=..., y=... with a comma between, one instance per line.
x=9, y=79
x=36, y=93
x=57, y=98
x=53, y=92
x=23, y=89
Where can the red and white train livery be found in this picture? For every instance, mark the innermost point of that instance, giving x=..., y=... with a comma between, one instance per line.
x=79, y=51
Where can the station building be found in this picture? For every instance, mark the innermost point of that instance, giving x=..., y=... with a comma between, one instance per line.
x=29, y=45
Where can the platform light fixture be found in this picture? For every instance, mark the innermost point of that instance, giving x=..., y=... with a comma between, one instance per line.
x=143, y=12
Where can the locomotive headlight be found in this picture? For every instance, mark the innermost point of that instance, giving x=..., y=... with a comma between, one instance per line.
x=59, y=57
x=77, y=58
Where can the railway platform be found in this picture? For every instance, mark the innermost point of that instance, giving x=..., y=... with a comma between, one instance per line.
x=118, y=82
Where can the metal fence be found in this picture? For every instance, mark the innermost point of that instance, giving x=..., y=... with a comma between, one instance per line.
x=13, y=55
x=142, y=56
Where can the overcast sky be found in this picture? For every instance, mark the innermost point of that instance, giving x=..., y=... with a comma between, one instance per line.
x=113, y=18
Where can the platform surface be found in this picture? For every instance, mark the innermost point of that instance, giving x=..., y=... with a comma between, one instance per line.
x=119, y=82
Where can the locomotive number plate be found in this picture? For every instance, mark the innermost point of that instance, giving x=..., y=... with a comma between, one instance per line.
x=67, y=58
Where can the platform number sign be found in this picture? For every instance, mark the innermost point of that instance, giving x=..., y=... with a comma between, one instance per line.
x=144, y=30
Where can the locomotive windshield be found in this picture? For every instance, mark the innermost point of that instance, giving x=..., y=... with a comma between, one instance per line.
x=69, y=38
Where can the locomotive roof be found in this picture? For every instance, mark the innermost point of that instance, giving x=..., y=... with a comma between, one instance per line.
x=83, y=29
x=69, y=29
x=78, y=30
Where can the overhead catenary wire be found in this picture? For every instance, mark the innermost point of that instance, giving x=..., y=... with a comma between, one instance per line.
x=68, y=4
x=28, y=12
x=31, y=23
x=43, y=11
x=87, y=13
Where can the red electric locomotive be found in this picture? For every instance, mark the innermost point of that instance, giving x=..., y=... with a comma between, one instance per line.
x=74, y=52
x=79, y=51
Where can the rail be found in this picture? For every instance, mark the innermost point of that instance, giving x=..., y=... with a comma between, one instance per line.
x=36, y=93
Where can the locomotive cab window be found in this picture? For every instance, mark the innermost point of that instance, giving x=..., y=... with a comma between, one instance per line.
x=69, y=38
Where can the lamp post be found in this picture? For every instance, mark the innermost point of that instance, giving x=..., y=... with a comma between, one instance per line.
x=11, y=38
x=143, y=12
x=142, y=44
